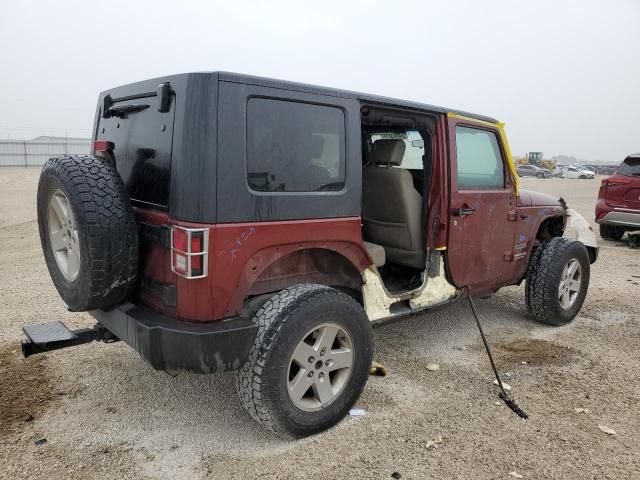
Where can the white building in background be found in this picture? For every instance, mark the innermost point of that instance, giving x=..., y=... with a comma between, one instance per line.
x=35, y=152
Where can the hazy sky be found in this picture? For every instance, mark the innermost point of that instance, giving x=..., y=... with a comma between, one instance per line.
x=563, y=75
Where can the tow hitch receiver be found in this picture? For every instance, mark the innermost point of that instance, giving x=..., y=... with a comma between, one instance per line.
x=44, y=337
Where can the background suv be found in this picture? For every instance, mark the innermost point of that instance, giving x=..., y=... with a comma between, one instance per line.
x=618, y=206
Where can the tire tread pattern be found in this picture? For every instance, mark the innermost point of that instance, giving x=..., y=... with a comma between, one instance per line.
x=541, y=288
x=271, y=318
x=103, y=209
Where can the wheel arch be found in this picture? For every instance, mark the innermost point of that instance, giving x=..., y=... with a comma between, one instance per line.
x=273, y=269
x=573, y=226
x=304, y=264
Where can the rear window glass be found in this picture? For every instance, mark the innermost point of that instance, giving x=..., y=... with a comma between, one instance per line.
x=631, y=166
x=294, y=147
x=142, y=151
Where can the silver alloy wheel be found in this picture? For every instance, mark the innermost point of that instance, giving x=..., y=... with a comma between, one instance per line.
x=63, y=235
x=570, y=283
x=320, y=367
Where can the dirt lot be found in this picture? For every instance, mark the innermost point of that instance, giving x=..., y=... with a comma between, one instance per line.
x=106, y=414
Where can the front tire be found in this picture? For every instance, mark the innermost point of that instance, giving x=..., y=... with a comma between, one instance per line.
x=309, y=362
x=557, y=280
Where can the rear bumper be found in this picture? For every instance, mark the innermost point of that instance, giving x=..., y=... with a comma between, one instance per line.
x=629, y=218
x=170, y=344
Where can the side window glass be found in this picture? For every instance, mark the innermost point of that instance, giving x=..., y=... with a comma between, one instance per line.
x=479, y=161
x=294, y=147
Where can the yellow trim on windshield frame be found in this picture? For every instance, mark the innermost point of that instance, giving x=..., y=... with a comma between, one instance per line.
x=505, y=143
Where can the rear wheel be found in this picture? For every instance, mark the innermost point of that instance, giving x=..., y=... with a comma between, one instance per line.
x=309, y=363
x=557, y=280
x=611, y=232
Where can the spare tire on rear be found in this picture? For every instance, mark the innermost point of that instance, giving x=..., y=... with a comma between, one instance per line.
x=88, y=232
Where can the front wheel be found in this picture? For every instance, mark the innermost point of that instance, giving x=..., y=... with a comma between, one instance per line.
x=309, y=362
x=557, y=280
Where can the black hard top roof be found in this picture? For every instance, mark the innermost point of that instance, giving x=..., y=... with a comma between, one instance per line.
x=335, y=92
x=123, y=91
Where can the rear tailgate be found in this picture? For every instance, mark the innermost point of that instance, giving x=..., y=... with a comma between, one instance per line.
x=134, y=128
x=623, y=187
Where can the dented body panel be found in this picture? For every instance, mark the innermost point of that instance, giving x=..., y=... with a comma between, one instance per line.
x=578, y=228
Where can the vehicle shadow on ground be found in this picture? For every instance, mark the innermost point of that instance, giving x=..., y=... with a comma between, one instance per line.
x=124, y=401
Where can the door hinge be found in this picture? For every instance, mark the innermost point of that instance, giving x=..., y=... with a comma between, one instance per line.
x=512, y=216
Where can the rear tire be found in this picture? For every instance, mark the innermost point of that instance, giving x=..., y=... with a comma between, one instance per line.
x=87, y=231
x=611, y=232
x=282, y=383
x=557, y=280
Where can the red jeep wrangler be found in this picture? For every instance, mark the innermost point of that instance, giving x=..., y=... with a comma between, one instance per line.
x=228, y=222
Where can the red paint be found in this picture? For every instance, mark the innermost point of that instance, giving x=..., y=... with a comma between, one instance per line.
x=529, y=198
x=438, y=211
x=618, y=191
x=479, y=244
x=238, y=254
x=155, y=260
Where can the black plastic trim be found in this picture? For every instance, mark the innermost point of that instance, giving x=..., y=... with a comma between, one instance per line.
x=171, y=344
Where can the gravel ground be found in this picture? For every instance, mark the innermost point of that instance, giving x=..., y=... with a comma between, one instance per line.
x=106, y=414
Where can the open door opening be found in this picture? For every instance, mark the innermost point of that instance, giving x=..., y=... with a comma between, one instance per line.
x=397, y=164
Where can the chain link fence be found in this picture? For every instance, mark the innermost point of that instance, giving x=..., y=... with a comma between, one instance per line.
x=29, y=153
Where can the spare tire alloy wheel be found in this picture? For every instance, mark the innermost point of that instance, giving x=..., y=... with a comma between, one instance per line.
x=63, y=235
x=88, y=232
x=570, y=282
x=320, y=367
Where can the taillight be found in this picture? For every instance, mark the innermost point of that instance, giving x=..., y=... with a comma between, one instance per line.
x=189, y=252
x=102, y=146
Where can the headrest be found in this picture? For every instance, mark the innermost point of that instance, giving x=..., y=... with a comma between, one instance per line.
x=387, y=152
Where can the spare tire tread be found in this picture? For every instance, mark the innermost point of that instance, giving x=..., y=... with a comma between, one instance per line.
x=106, y=228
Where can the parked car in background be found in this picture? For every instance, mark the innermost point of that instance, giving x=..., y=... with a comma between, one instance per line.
x=607, y=169
x=533, y=171
x=618, y=205
x=576, y=172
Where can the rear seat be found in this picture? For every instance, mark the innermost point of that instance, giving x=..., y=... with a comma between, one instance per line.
x=376, y=252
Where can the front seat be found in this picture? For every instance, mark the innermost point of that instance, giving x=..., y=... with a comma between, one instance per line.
x=392, y=207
